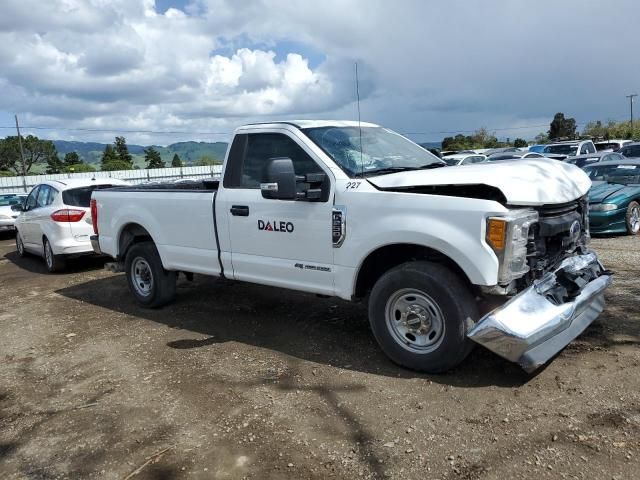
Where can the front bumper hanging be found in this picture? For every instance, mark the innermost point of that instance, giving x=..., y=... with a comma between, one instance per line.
x=541, y=320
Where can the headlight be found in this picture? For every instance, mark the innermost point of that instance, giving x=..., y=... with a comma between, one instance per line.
x=603, y=207
x=508, y=236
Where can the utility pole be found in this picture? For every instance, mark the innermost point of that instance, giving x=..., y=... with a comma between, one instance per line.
x=630, y=97
x=24, y=172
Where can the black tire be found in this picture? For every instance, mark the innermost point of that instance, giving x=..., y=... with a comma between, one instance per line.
x=155, y=286
x=54, y=263
x=20, y=245
x=633, y=218
x=440, y=298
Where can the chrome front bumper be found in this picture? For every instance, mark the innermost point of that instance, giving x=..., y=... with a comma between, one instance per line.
x=541, y=320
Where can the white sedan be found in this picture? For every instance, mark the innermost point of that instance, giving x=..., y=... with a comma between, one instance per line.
x=7, y=214
x=55, y=222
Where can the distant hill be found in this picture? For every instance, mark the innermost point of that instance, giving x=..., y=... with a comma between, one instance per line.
x=189, y=152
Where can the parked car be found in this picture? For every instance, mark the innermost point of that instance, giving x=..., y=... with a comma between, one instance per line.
x=611, y=145
x=464, y=159
x=631, y=150
x=357, y=211
x=614, y=199
x=570, y=148
x=7, y=215
x=55, y=222
x=500, y=157
x=603, y=156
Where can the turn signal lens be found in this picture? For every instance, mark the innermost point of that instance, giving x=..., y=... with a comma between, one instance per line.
x=496, y=233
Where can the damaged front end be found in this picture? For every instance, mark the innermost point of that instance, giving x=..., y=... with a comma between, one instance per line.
x=533, y=326
x=558, y=284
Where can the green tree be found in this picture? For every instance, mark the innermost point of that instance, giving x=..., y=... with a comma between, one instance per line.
x=152, y=158
x=35, y=151
x=561, y=127
x=176, y=162
x=71, y=158
x=520, y=143
x=115, y=165
x=122, y=151
x=54, y=165
x=109, y=156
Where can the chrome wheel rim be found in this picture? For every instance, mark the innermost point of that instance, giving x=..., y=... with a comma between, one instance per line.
x=48, y=254
x=415, y=320
x=634, y=220
x=142, y=276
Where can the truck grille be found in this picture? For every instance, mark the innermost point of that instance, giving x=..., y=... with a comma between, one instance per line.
x=560, y=231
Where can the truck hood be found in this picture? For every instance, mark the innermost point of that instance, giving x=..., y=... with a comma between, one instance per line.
x=530, y=182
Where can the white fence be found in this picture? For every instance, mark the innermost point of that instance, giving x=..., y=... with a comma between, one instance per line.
x=15, y=184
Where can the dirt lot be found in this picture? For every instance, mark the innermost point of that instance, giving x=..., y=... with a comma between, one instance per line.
x=242, y=381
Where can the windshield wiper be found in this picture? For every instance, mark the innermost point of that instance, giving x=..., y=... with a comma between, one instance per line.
x=381, y=171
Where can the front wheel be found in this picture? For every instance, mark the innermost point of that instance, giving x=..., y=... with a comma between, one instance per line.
x=420, y=313
x=633, y=218
x=150, y=283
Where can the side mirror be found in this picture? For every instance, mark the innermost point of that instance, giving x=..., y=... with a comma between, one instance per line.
x=17, y=207
x=279, y=180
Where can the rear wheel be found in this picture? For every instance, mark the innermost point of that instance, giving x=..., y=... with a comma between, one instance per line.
x=55, y=263
x=633, y=218
x=150, y=283
x=20, y=245
x=419, y=314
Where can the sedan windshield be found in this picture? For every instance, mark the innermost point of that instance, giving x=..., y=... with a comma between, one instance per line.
x=6, y=200
x=383, y=151
x=620, y=173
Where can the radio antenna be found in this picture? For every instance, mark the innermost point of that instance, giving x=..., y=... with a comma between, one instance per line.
x=359, y=126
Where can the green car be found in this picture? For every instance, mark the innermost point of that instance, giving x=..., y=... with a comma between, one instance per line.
x=614, y=198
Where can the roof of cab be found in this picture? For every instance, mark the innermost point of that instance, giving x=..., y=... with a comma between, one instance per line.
x=312, y=123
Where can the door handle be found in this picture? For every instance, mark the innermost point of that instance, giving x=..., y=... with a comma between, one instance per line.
x=240, y=210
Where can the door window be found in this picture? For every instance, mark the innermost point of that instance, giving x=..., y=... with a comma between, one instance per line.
x=263, y=146
x=43, y=196
x=30, y=204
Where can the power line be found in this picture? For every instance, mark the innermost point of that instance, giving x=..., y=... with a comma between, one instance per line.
x=113, y=130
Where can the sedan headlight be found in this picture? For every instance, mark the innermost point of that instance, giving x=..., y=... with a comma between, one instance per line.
x=508, y=236
x=603, y=207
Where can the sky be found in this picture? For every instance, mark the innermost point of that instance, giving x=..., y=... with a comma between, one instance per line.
x=175, y=70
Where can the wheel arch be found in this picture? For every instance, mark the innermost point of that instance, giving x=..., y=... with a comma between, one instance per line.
x=130, y=234
x=384, y=258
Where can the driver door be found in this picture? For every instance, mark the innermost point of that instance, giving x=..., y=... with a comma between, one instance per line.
x=285, y=243
x=25, y=221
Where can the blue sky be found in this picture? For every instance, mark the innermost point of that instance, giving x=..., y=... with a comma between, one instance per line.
x=84, y=69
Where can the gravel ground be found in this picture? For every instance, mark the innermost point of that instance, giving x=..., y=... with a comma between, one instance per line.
x=243, y=381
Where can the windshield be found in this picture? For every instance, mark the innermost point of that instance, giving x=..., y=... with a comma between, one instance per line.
x=601, y=147
x=620, y=173
x=383, y=151
x=6, y=200
x=561, y=149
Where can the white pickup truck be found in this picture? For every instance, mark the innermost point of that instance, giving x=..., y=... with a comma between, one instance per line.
x=360, y=212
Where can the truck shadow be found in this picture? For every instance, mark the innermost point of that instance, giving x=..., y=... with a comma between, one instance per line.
x=322, y=330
